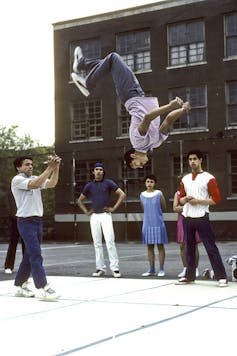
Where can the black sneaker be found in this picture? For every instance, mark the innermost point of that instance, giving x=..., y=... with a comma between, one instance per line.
x=116, y=274
x=98, y=273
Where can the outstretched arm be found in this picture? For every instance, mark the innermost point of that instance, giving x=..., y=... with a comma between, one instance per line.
x=150, y=116
x=173, y=116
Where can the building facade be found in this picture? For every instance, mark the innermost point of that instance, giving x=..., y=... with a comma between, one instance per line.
x=180, y=48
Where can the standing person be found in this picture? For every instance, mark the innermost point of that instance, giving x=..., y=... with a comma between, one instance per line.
x=198, y=191
x=14, y=237
x=99, y=190
x=180, y=234
x=153, y=227
x=26, y=189
x=146, y=132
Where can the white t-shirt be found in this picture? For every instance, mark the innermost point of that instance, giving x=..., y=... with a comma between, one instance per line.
x=28, y=201
x=138, y=107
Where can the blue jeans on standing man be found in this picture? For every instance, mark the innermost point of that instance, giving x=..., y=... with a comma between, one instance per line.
x=207, y=236
x=31, y=231
x=125, y=81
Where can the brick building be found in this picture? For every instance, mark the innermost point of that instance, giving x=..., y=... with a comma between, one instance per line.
x=186, y=48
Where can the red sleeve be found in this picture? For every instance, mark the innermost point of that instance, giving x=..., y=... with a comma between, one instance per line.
x=213, y=190
x=182, y=190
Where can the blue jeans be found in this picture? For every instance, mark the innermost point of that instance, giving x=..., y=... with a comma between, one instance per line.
x=203, y=226
x=125, y=81
x=31, y=231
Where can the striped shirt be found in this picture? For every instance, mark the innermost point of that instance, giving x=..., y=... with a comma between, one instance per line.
x=202, y=185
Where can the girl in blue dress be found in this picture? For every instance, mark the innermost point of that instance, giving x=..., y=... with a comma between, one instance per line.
x=153, y=227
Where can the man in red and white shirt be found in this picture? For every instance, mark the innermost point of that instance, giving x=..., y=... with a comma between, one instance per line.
x=198, y=191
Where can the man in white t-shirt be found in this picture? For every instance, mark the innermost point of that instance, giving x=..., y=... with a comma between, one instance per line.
x=198, y=191
x=145, y=132
x=26, y=189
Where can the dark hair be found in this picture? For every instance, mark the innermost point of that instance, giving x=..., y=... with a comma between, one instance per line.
x=151, y=176
x=18, y=161
x=127, y=158
x=198, y=153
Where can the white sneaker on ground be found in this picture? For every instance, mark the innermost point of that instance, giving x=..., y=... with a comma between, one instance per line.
x=182, y=274
x=223, y=283
x=148, y=273
x=77, y=56
x=117, y=274
x=24, y=291
x=98, y=273
x=48, y=294
x=8, y=271
x=79, y=81
x=161, y=273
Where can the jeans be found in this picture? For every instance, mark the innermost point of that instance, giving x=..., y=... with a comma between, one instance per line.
x=103, y=223
x=31, y=231
x=125, y=81
x=203, y=226
x=11, y=251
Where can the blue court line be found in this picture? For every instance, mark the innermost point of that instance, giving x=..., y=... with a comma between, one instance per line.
x=69, y=352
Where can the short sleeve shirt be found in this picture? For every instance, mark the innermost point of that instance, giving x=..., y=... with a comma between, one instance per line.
x=138, y=107
x=28, y=201
x=99, y=192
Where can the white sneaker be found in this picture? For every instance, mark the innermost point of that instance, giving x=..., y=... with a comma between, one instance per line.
x=183, y=273
x=147, y=274
x=161, y=273
x=79, y=81
x=48, y=294
x=8, y=271
x=98, y=273
x=24, y=291
x=223, y=283
x=117, y=274
x=77, y=56
x=197, y=272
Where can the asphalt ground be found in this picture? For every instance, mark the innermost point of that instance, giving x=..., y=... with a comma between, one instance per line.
x=116, y=316
x=78, y=260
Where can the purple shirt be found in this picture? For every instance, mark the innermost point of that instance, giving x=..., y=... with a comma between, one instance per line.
x=138, y=107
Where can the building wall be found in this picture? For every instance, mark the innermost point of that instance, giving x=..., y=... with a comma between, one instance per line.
x=216, y=142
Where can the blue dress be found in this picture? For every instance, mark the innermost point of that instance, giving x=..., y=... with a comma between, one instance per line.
x=153, y=227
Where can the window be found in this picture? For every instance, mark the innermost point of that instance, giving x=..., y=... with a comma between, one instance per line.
x=233, y=172
x=231, y=35
x=86, y=120
x=83, y=173
x=133, y=180
x=231, y=103
x=197, y=117
x=90, y=48
x=123, y=120
x=179, y=167
x=186, y=43
x=134, y=48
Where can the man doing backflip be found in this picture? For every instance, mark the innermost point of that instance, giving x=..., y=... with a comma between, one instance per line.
x=145, y=132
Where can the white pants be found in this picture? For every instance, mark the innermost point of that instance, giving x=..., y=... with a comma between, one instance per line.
x=103, y=223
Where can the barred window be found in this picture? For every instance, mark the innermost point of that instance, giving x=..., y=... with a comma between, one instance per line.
x=123, y=120
x=133, y=179
x=86, y=120
x=91, y=48
x=231, y=103
x=83, y=173
x=233, y=173
x=186, y=42
x=230, y=22
x=197, y=117
x=134, y=48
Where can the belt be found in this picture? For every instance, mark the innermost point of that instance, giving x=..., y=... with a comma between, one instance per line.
x=30, y=217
